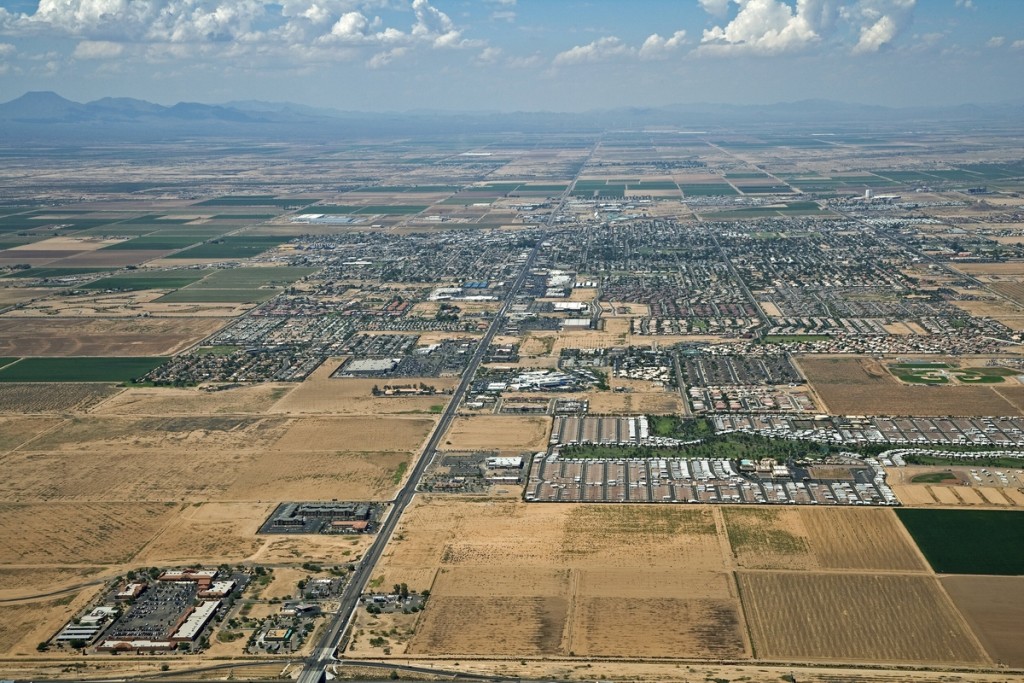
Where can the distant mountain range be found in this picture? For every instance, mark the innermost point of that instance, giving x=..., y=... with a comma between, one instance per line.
x=47, y=114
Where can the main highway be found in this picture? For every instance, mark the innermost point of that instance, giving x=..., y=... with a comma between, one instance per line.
x=323, y=651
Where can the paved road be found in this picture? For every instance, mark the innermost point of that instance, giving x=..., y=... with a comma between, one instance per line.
x=323, y=651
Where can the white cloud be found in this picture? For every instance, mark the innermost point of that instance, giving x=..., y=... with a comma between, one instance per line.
x=294, y=30
x=996, y=41
x=97, y=49
x=718, y=8
x=6, y=49
x=770, y=27
x=1017, y=45
x=489, y=55
x=966, y=4
x=881, y=22
x=597, y=51
x=656, y=47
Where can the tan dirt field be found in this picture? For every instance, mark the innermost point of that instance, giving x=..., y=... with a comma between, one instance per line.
x=860, y=538
x=326, y=549
x=15, y=431
x=255, y=400
x=23, y=583
x=117, y=258
x=994, y=607
x=1008, y=268
x=569, y=573
x=769, y=538
x=22, y=626
x=97, y=337
x=209, y=533
x=319, y=475
x=861, y=386
x=31, y=397
x=855, y=617
x=70, y=533
x=107, y=434
x=320, y=393
x=498, y=432
x=363, y=433
x=11, y=295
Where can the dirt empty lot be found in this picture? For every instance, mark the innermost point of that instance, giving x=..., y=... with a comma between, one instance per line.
x=571, y=579
x=102, y=337
x=498, y=433
x=861, y=386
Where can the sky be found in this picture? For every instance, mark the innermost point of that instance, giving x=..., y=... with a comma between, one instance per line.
x=516, y=55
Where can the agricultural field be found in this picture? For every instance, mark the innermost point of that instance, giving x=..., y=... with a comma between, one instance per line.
x=23, y=397
x=101, y=337
x=568, y=583
x=846, y=617
x=994, y=608
x=968, y=541
x=862, y=386
x=840, y=538
x=69, y=369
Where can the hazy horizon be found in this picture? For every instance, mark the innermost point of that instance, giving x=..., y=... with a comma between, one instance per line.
x=515, y=55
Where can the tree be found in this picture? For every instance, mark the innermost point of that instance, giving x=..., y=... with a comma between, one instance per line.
x=394, y=675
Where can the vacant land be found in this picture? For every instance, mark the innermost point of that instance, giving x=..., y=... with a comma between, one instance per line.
x=862, y=386
x=969, y=541
x=994, y=607
x=87, y=533
x=854, y=617
x=320, y=475
x=366, y=433
x=209, y=533
x=256, y=400
x=573, y=579
x=15, y=431
x=321, y=393
x=498, y=432
x=101, y=337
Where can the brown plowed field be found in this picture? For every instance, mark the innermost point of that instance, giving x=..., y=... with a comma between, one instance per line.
x=52, y=398
x=994, y=607
x=861, y=386
x=860, y=538
x=854, y=617
x=102, y=336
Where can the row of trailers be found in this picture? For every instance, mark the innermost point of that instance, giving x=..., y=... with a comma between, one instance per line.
x=675, y=480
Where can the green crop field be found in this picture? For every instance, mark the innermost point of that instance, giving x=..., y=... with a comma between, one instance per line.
x=170, y=279
x=258, y=200
x=53, y=272
x=968, y=541
x=6, y=361
x=244, y=278
x=78, y=369
x=204, y=295
x=163, y=242
x=706, y=190
x=234, y=247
